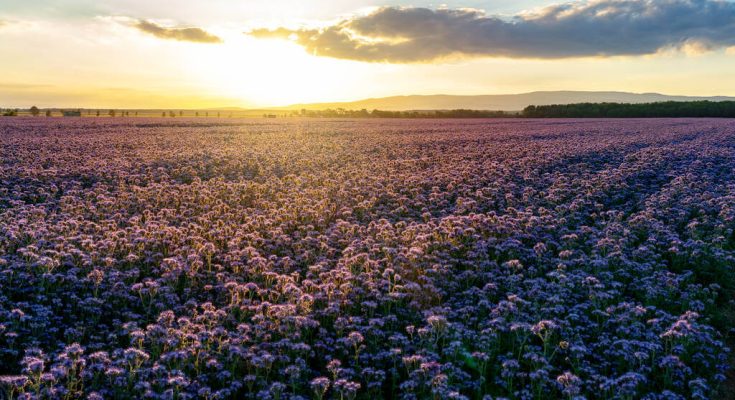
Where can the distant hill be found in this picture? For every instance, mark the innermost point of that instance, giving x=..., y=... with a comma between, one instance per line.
x=506, y=102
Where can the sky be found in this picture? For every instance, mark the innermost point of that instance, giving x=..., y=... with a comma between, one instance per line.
x=260, y=53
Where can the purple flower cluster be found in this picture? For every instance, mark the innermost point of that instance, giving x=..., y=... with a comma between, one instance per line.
x=443, y=259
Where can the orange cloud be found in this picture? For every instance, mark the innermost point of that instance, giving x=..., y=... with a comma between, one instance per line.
x=196, y=35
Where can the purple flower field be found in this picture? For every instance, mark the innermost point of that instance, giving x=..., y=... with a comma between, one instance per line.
x=370, y=259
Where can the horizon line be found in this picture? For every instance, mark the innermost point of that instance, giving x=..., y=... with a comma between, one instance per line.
x=299, y=104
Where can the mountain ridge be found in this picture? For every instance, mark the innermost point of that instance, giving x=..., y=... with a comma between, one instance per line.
x=499, y=102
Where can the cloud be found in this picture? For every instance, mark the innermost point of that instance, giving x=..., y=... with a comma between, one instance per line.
x=595, y=28
x=196, y=35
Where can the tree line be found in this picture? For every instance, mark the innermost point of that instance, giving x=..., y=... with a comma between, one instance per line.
x=35, y=111
x=459, y=113
x=667, y=109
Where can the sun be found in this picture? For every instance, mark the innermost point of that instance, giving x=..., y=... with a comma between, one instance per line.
x=268, y=72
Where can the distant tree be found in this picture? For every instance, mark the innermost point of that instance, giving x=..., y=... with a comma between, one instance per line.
x=181, y=113
x=48, y=113
x=206, y=114
x=217, y=115
x=98, y=113
x=172, y=114
x=35, y=111
x=163, y=114
x=197, y=114
x=112, y=113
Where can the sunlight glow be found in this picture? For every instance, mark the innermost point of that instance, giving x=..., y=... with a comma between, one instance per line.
x=272, y=72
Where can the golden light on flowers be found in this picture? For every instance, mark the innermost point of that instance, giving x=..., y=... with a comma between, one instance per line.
x=251, y=258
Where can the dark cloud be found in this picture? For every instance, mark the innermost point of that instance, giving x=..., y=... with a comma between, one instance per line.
x=183, y=34
x=577, y=29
